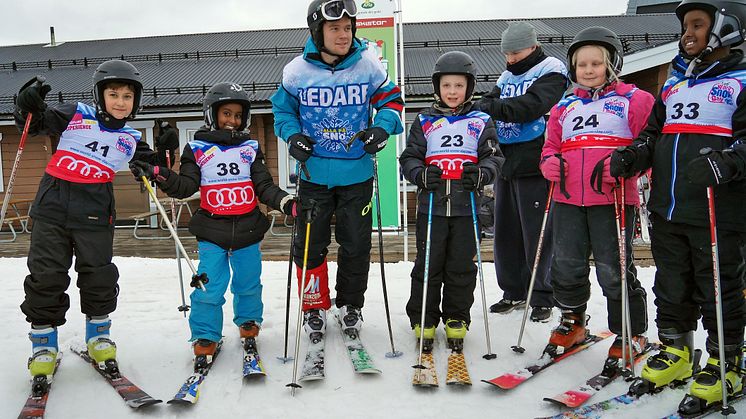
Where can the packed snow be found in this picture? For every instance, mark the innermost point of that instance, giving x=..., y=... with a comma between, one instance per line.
x=154, y=352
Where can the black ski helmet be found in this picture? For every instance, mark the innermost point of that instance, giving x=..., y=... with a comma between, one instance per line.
x=597, y=35
x=455, y=62
x=316, y=19
x=728, y=20
x=116, y=71
x=224, y=93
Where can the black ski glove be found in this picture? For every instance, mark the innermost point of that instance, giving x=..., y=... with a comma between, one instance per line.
x=301, y=147
x=622, y=162
x=168, y=138
x=309, y=208
x=712, y=167
x=430, y=177
x=32, y=94
x=152, y=173
x=374, y=139
x=472, y=178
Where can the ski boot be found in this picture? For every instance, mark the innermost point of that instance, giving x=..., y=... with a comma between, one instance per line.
x=352, y=320
x=707, y=388
x=428, y=337
x=613, y=364
x=101, y=349
x=314, y=324
x=671, y=365
x=455, y=334
x=43, y=360
x=249, y=331
x=570, y=332
x=204, y=352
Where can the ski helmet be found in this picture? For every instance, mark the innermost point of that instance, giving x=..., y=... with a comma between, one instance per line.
x=320, y=11
x=728, y=20
x=455, y=62
x=597, y=35
x=116, y=71
x=224, y=93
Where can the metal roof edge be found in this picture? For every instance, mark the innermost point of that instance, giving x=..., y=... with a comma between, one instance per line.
x=649, y=58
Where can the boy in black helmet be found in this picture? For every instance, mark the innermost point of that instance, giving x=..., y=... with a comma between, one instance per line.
x=451, y=152
x=693, y=140
x=74, y=208
x=227, y=167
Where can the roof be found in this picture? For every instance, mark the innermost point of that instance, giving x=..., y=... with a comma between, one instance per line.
x=178, y=69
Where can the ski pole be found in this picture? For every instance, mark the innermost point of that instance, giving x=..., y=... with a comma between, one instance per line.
x=285, y=358
x=489, y=354
x=16, y=163
x=425, y=281
x=619, y=218
x=183, y=307
x=517, y=347
x=394, y=353
x=198, y=280
x=301, y=294
x=726, y=409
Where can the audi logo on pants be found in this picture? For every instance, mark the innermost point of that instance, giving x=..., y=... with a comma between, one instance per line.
x=230, y=197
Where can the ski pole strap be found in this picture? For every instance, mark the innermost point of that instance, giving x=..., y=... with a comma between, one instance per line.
x=597, y=176
x=199, y=280
x=563, y=181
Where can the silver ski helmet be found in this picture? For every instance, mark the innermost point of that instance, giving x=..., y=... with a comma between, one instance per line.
x=728, y=20
x=116, y=71
x=597, y=35
x=223, y=93
x=455, y=62
x=320, y=11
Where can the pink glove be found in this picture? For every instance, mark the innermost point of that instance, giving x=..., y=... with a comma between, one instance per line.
x=607, y=178
x=551, y=167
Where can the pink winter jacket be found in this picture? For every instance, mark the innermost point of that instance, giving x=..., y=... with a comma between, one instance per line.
x=580, y=161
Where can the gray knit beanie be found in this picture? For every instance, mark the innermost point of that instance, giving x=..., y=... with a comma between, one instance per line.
x=518, y=36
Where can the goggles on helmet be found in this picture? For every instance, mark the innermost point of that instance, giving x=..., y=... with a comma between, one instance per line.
x=335, y=9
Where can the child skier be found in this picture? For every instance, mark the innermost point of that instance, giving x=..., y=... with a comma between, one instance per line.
x=451, y=152
x=227, y=167
x=74, y=208
x=601, y=114
x=702, y=105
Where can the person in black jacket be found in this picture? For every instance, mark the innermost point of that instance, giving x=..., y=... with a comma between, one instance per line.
x=523, y=94
x=74, y=212
x=227, y=168
x=693, y=140
x=451, y=153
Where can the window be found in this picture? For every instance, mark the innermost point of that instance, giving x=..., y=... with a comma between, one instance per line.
x=187, y=130
x=2, y=176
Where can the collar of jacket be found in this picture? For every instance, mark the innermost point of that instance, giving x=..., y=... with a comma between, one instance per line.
x=437, y=108
x=527, y=63
x=313, y=56
x=617, y=87
x=732, y=61
x=222, y=136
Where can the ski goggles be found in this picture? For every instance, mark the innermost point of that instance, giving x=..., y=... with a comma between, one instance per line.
x=335, y=9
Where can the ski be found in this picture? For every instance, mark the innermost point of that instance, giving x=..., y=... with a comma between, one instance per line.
x=359, y=356
x=581, y=394
x=36, y=403
x=425, y=374
x=252, y=363
x=714, y=408
x=132, y=395
x=313, y=365
x=457, y=373
x=188, y=393
x=509, y=381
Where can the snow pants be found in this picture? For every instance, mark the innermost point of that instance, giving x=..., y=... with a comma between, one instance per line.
x=451, y=268
x=519, y=210
x=351, y=205
x=684, y=288
x=242, y=268
x=580, y=231
x=49, y=260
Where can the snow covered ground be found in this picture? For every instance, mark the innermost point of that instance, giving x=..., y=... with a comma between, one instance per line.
x=154, y=353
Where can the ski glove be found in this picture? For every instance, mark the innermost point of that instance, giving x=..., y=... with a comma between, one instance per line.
x=301, y=147
x=152, y=173
x=32, y=94
x=309, y=208
x=622, y=162
x=430, y=177
x=712, y=167
x=168, y=138
x=472, y=177
x=374, y=139
x=551, y=168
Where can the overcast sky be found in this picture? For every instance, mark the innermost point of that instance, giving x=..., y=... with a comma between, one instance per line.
x=28, y=22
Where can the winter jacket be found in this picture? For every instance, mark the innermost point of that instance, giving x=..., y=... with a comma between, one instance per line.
x=450, y=199
x=76, y=189
x=229, y=231
x=330, y=103
x=707, y=109
x=585, y=131
x=523, y=94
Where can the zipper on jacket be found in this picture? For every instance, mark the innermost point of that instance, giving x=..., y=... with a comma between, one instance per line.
x=669, y=213
x=582, y=178
x=233, y=235
x=448, y=198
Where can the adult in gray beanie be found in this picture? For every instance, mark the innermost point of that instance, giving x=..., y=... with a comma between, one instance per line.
x=518, y=36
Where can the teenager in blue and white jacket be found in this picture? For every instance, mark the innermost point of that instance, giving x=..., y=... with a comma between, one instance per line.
x=327, y=95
